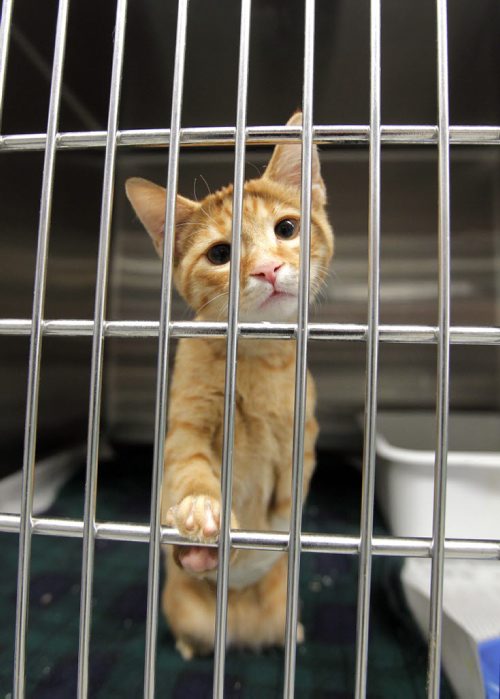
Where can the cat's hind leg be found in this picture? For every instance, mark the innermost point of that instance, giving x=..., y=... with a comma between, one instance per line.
x=257, y=614
x=189, y=606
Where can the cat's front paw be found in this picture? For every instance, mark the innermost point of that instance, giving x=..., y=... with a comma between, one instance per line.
x=197, y=517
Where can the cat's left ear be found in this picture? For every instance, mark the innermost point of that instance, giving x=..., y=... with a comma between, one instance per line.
x=286, y=164
x=148, y=200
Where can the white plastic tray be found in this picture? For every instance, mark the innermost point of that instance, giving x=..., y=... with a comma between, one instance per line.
x=405, y=473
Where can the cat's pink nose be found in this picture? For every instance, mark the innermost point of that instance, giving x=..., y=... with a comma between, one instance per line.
x=267, y=270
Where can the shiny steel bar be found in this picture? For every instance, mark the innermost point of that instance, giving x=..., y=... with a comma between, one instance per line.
x=299, y=417
x=443, y=363
x=368, y=481
x=87, y=573
x=340, y=332
x=163, y=355
x=275, y=541
x=231, y=357
x=5, y=25
x=35, y=357
x=257, y=136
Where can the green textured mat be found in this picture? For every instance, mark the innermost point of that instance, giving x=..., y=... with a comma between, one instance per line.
x=325, y=663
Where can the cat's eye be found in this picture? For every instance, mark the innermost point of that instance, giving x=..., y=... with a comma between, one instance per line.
x=286, y=228
x=219, y=254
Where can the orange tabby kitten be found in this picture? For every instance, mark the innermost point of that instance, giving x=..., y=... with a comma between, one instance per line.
x=264, y=396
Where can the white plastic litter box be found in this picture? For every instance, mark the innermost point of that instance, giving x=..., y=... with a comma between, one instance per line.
x=405, y=474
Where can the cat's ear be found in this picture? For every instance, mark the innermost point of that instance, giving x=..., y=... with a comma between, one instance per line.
x=148, y=200
x=285, y=165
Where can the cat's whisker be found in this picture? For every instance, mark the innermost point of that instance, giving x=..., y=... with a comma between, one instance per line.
x=257, y=169
x=222, y=314
x=194, y=188
x=211, y=218
x=319, y=296
x=320, y=267
x=320, y=283
x=206, y=184
x=218, y=296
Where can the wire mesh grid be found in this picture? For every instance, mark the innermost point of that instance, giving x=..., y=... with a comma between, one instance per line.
x=302, y=332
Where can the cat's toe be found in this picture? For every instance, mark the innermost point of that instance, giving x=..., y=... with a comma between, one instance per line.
x=211, y=518
x=170, y=518
x=197, y=517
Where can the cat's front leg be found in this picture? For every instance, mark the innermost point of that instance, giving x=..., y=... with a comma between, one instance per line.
x=192, y=488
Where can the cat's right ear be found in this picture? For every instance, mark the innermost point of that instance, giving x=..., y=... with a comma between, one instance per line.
x=285, y=166
x=148, y=200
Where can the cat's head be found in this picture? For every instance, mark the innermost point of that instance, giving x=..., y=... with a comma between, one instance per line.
x=270, y=239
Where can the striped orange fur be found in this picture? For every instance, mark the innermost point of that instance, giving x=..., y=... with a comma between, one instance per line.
x=270, y=241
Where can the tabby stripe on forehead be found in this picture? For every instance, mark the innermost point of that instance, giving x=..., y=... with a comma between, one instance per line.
x=257, y=204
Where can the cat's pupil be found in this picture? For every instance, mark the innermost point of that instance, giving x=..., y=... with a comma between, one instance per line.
x=219, y=254
x=285, y=228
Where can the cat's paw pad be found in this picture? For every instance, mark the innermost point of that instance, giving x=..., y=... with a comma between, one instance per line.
x=198, y=559
x=196, y=517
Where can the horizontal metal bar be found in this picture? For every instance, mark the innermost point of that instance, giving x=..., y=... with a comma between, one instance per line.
x=347, y=332
x=272, y=541
x=257, y=136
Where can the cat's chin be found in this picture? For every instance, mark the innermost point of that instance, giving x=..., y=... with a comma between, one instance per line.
x=281, y=308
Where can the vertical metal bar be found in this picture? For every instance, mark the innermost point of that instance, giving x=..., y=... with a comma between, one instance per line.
x=231, y=355
x=163, y=354
x=35, y=356
x=368, y=485
x=97, y=354
x=443, y=364
x=4, y=47
x=294, y=547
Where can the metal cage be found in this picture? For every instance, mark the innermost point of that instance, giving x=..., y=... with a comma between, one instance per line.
x=371, y=333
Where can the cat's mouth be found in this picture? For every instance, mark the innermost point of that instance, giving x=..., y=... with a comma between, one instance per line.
x=276, y=295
